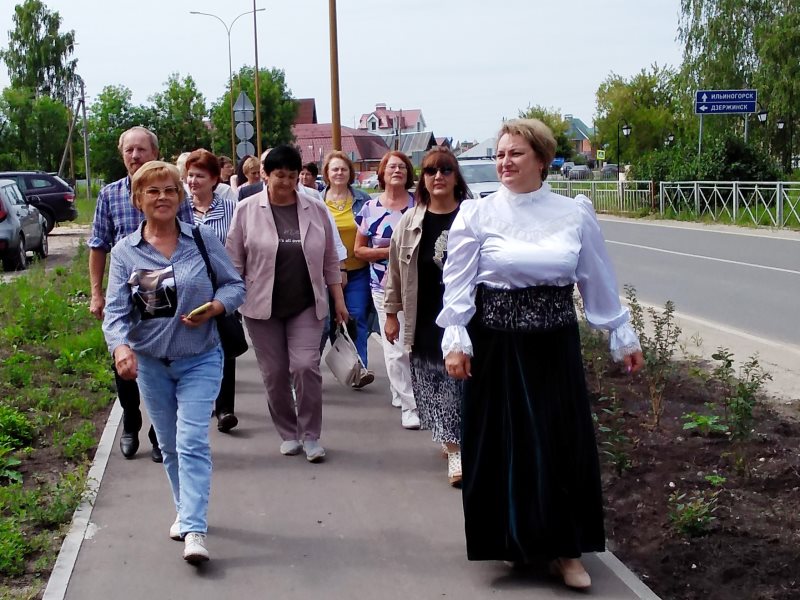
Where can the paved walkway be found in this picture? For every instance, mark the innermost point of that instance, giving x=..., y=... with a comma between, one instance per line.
x=376, y=520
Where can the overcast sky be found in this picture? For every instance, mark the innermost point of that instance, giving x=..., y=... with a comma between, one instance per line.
x=465, y=63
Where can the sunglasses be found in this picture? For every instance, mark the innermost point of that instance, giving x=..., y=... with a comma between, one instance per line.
x=433, y=170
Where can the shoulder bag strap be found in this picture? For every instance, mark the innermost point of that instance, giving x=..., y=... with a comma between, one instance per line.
x=201, y=245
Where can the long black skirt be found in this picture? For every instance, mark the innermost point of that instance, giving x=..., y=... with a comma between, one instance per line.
x=531, y=486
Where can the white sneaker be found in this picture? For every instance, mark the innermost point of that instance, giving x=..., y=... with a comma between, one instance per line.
x=175, y=529
x=314, y=452
x=291, y=447
x=396, y=402
x=409, y=418
x=194, y=548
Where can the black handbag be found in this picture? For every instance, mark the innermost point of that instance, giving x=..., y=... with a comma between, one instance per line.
x=231, y=332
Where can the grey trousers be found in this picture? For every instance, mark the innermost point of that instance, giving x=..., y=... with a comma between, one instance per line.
x=287, y=351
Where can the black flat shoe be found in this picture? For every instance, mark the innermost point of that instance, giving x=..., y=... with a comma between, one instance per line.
x=226, y=422
x=128, y=444
x=155, y=455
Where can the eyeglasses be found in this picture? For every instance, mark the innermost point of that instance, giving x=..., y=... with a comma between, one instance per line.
x=445, y=171
x=155, y=192
x=400, y=167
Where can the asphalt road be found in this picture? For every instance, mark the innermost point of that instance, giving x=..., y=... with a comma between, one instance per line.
x=745, y=280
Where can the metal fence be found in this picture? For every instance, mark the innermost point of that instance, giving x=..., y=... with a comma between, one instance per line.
x=772, y=203
x=610, y=196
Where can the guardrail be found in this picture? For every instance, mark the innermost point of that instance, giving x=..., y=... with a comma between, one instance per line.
x=772, y=203
x=610, y=196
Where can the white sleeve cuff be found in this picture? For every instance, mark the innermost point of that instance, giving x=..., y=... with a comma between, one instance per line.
x=456, y=339
x=623, y=341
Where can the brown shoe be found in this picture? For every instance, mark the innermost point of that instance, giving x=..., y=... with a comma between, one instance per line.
x=571, y=572
x=367, y=377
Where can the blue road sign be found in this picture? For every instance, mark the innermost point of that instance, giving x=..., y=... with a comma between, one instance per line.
x=725, y=102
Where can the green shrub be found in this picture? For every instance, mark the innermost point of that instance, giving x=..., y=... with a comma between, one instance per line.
x=15, y=427
x=80, y=442
x=12, y=548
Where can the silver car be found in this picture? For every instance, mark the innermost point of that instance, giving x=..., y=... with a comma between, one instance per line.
x=22, y=228
x=480, y=175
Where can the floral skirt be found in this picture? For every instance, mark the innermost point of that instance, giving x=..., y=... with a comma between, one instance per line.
x=438, y=398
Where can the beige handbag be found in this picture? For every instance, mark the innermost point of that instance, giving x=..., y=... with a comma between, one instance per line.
x=343, y=359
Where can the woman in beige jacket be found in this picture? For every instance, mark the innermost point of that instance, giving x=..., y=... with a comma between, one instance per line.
x=418, y=251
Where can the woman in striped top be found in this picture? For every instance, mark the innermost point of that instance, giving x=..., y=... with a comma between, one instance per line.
x=214, y=211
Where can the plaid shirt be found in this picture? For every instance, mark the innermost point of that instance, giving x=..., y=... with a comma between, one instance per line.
x=115, y=216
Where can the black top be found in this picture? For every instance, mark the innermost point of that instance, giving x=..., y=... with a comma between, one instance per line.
x=292, y=293
x=430, y=262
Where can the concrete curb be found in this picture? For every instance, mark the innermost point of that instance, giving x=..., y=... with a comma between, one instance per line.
x=68, y=555
x=628, y=577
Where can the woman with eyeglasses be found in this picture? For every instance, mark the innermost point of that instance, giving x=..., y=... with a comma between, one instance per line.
x=531, y=473
x=377, y=222
x=209, y=208
x=418, y=253
x=159, y=326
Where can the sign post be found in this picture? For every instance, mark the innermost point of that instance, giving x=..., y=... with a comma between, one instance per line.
x=724, y=102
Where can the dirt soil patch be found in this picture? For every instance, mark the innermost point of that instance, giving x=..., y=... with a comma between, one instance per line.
x=752, y=546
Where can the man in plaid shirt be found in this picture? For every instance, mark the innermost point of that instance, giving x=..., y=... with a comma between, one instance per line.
x=114, y=218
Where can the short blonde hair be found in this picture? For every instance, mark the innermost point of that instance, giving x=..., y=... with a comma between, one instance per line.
x=251, y=163
x=341, y=156
x=150, y=172
x=537, y=134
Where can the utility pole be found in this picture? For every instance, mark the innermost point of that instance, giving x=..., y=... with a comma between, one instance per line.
x=258, y=93
x=85, y=143
x=336, y=123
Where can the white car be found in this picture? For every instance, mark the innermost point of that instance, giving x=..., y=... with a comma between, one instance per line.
x=480, y=175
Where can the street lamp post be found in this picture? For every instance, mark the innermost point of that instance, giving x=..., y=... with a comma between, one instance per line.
x=230, y=65
x=336, y=124
x=626, y=131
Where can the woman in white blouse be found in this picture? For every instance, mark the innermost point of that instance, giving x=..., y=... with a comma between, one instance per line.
x=531, y=476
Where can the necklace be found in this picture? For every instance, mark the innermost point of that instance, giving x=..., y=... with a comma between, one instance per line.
x=338, y=204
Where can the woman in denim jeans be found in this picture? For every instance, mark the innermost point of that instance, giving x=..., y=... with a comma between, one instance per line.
x=156, y=281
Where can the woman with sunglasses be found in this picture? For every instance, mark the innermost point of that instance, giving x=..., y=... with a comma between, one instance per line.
x=418, y=252
x=376, y=222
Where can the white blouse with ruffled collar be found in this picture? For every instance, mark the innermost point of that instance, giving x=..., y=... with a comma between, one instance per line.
x=512, y=241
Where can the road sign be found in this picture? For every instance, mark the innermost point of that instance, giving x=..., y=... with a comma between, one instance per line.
x=725, y=102
x=245, y=148
x=244, y=130
x=601, y=155
x=244, y=115
x=243, y=103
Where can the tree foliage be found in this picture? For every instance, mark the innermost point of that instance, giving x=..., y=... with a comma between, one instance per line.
x=277, y=109
x=179, y=114
x=33, y=130
x=38, y=54
x=558, y=125
x=109, y=116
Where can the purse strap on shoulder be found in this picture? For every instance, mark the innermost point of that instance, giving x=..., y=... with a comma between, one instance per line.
x=201, y=245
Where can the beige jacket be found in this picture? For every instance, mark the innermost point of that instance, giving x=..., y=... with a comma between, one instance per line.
x=400, y=289
x=252, y=244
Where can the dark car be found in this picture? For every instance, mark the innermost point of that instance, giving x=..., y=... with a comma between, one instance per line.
x=566, y=167
x=53, y=196
x=609, y=171
x=580, y=172
x=22, y=228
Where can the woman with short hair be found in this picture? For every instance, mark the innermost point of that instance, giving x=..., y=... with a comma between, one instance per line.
x=282, y=243
x=376, y=222
x=159, y=326
x=531, y=475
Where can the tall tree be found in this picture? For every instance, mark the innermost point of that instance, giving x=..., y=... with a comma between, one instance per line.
x=110, y=115
x=555, y=121
x=38, y=53
x=278, y=109
x=34, y=129
x=180, y=116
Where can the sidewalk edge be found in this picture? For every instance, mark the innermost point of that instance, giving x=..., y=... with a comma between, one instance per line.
x=62, y=571
x=628, y=577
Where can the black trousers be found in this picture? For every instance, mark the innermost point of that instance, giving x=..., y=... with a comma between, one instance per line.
x=128, y=393
x=227, y=389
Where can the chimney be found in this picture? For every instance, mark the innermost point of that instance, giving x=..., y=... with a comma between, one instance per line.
x=380, y=105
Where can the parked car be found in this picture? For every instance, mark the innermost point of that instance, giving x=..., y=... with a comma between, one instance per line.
x=557, y=163
x=566, y=167
x=609, y=171
x=580, y=172
x=480, y=175
x=53, y=196
x=22, y=228
x=370, y=182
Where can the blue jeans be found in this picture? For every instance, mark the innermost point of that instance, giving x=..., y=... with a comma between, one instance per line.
x=358, y=300
x=179, y=396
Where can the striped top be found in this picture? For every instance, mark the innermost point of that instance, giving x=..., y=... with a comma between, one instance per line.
x=147, y=293
x=218, y=217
